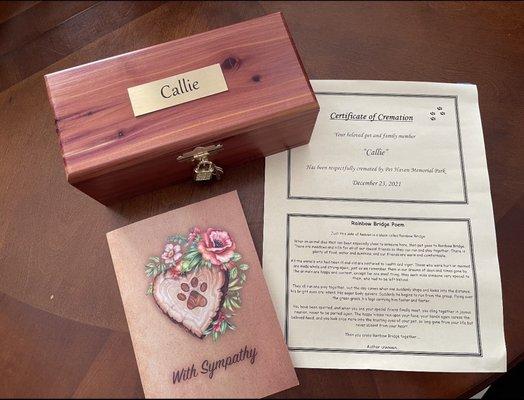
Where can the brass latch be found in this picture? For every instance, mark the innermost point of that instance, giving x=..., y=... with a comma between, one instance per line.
x=204, y=169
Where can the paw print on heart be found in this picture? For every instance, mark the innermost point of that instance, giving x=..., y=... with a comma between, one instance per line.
x=438, y=112
x=193, y=294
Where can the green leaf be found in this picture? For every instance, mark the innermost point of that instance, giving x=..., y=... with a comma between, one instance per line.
x=233, y=273
x=149, y=291
x=242, y=278
x=234, y=303
x=178, y=239
x=215, y=336
x=192, y=251
x=231, y=326
x=233, y=283
x=223, y=326
x=191, y=261
x=234, y=288
x=236, y=257
x=152, y=271
x=192, y=254
x=154, y=259
x=185, y=266
x=243, y=267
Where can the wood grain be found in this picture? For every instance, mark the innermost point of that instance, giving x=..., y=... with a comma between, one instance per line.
x=36, y=21
x=102, y=142
x=9, y=9
x=48, y=31
x=58, y=286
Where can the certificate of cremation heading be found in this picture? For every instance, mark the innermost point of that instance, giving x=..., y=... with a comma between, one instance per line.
x=379, y=240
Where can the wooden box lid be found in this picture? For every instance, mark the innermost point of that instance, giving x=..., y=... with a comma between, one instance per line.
x=99, y=133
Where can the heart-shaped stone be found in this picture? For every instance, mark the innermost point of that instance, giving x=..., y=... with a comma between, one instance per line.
x=192, y=300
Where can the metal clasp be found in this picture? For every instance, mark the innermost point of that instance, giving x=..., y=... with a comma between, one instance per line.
x=204, y=169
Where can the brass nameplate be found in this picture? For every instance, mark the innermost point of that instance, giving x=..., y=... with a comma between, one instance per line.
x=177, y=89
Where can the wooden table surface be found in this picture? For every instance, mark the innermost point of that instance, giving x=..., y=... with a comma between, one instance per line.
x=62, y=326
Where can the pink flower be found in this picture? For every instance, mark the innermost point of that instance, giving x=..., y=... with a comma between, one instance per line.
x=172, y=253
x=229, y=265
x=175, y=271
x=193, y=234
x=216, y=246
x=218, y=322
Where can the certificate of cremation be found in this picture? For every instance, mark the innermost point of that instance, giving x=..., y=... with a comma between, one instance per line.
x=379, y=240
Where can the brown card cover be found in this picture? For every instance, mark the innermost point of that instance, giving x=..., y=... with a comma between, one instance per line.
x=202, y=323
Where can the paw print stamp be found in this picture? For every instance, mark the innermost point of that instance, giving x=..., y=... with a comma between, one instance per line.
x=438, y=111
x=197, y=281
x=193, y=294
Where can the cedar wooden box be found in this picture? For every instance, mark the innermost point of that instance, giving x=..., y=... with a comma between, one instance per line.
x=110, y=154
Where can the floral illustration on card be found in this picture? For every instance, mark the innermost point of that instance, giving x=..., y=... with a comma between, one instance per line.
x=197, y=281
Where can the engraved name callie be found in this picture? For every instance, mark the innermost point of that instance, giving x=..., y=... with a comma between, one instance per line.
x=177, y=89
x=180, y=87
